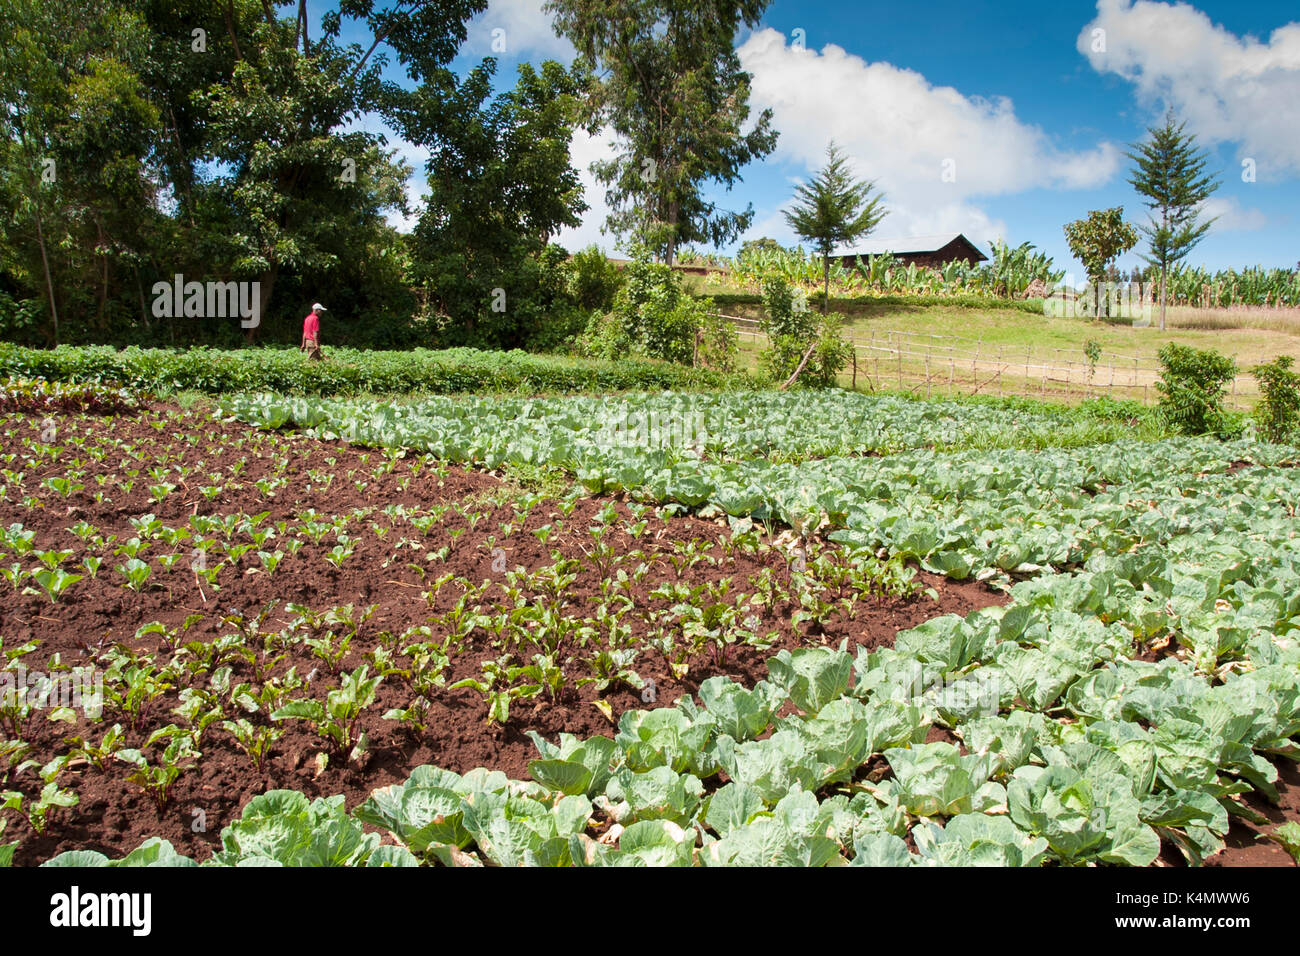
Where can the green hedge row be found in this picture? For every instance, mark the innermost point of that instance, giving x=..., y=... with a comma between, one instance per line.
x=350, y=371
x=1032, y=306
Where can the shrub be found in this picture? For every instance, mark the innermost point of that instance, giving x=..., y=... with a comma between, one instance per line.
x=1278, y=414
x=790, y=328
x=1092, y=351
x=1191, y=389
x=719, y=344
x=20, y=321
x=593, y=280
x=604, y=338
x=655, y=316
x=830, y=355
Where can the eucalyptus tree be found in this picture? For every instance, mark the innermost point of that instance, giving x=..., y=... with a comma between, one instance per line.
x=668, y=83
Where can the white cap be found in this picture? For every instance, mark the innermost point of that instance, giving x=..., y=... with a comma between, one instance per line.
x=317, y=307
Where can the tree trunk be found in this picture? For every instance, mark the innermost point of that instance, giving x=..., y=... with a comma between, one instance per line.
x=1164, y=266
x=49, y=281
x=826, y=283
x=267, y=284
x=139, y=287
x=799, y=370
x=1164, y=304
x=672, y=234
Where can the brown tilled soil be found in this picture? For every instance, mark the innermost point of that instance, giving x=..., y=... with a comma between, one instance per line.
x=1246, y=843
x=115, y=815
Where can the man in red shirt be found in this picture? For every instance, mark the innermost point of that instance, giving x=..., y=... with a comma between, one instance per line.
x=311, y=332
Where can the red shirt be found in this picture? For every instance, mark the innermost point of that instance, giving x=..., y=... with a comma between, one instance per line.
x=311, y=326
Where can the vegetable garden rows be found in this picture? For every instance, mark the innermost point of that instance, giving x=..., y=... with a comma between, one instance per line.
x=306, y=650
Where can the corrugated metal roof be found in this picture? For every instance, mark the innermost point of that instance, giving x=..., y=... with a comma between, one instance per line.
x=907, y=244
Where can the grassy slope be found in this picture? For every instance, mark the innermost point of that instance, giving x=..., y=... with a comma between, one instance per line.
x=1249, y=336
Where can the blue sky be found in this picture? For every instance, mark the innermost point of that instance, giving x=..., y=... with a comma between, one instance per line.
x=1028, y=107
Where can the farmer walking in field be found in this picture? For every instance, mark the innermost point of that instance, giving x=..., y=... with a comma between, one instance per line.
x=311, y=332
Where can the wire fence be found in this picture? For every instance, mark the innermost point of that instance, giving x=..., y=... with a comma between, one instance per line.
x=954, y=364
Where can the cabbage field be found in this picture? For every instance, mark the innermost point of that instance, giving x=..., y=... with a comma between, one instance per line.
x=688, y=629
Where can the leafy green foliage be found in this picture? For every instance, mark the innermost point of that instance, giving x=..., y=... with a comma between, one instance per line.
x=593, y=279
x=719, y=343
x=1140, y=681
x=652, y=316
x=1288, y=835
x=792, y=329
x=281, y=828
x=451, y=371
x=336, y=718
x=1192, y=387
x=1081, y=815
x=500, y=182
x=1278, y=412
x=789, y=326
x=1097, y=240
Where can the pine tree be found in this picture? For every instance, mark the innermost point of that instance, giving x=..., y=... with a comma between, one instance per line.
x=1170, y=172
x=834, y=209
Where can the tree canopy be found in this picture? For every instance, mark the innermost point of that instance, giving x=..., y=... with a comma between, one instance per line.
x=667, y=82
x=144, y=139
x=1098, y=240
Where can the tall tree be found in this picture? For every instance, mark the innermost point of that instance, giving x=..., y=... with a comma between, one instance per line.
x=834, y=209
x=1098, y=240
x=668, y=83
x=1170, y=173
x=500, y=184
x=296, y=187
x=75, y=136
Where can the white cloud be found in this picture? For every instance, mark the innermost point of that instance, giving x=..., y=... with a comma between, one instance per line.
x=583, y=151
x=1228, y=88
x=905, y=134
x=1231, y=217
x=526, y=32
x=965, y=218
